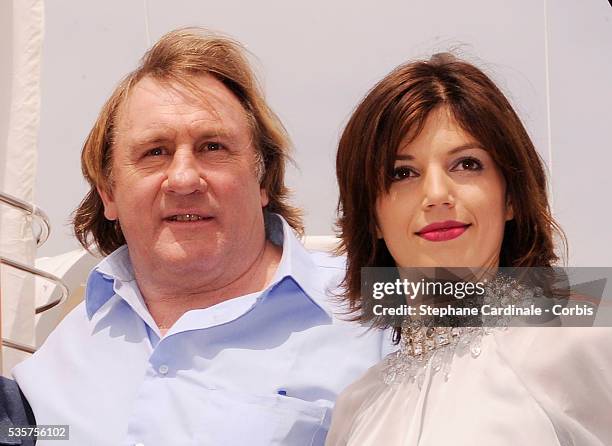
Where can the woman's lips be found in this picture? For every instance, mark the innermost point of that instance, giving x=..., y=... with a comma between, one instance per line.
x=443, y=234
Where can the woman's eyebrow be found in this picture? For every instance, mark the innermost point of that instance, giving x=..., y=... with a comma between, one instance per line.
x=462, y=147
x=404, y=157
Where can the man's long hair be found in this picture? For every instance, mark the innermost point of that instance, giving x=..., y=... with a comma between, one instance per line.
x=177, y=58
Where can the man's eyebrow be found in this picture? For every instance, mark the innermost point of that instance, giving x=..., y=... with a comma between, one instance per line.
x=461, y=148
x=154, y=135
x=204, y=129
x=219, y=132
x=158, y=136
x=155, y=139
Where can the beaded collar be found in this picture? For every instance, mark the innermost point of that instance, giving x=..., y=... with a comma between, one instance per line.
x=423, y=344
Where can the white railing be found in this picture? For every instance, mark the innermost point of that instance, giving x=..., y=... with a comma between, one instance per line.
x=41, y=238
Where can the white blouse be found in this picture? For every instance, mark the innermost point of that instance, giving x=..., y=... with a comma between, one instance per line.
x=544, y=386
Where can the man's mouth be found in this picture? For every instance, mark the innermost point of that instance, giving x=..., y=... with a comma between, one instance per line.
x=187, y=217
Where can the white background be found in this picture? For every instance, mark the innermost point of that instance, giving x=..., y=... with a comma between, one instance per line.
x=316, y=59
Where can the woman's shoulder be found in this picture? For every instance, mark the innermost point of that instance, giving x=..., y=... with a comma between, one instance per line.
x=369, y=383
x=568, y=371
x=556, y=355
x=352, y=399
x=552, y=345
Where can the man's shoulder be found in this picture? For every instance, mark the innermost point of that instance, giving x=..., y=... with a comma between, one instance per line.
x=73, y=326
x=327, y=273
x=327, y=260
x=75, y=317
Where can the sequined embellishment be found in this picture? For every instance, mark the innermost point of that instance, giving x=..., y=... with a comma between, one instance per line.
x=424, y=346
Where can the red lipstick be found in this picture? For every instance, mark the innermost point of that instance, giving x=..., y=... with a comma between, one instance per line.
x=443, y=230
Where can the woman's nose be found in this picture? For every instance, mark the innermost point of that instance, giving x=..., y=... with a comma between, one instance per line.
x=437, y=189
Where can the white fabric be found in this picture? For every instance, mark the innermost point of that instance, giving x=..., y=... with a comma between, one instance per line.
x=327, y=243
x=16, y=238
x=545, y=386
x=72, y=267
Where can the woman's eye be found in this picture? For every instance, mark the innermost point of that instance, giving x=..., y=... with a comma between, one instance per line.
x=468, y=164
x=403, y=172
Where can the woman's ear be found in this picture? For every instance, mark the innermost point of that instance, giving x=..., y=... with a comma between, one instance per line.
x=378, y=232
x=509, y=209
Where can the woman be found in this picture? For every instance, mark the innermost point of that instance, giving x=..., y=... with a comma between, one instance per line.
x=435, y=169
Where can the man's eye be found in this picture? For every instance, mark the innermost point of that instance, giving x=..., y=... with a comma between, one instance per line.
x=212, y=146
x=157, y=151
x=468, y=164
x=403, y=172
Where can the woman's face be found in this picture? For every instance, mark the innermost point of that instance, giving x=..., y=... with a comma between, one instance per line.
x=447, y=204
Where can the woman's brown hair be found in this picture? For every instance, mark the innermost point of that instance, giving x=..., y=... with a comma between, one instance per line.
x=179, y=57
x=397, y=107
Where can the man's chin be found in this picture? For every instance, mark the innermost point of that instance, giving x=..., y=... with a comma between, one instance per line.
x=187, y=257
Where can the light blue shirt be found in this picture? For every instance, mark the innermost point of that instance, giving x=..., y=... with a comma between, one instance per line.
x=260, y=369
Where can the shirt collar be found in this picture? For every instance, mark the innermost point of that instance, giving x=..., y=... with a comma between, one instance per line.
x=296, y=264
x=101, y=280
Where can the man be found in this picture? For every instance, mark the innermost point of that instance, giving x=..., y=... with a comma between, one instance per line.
x=208, y=322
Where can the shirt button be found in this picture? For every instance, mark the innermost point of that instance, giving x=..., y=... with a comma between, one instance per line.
x=163, y=369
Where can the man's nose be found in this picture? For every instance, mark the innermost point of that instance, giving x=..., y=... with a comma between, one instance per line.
x=184, y=175
x=438, y=189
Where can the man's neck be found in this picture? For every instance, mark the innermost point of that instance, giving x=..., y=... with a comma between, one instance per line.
x=168, y=303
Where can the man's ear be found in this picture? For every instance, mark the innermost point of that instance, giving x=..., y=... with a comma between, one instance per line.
x=110, y=207
x=264, y=197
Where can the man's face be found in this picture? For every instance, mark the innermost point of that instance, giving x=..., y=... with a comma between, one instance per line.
x=184, y=185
